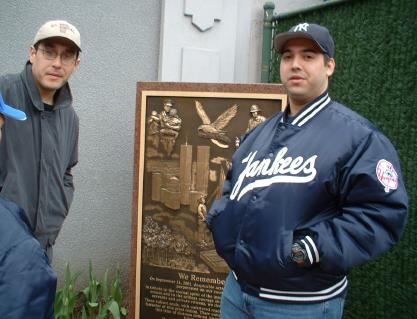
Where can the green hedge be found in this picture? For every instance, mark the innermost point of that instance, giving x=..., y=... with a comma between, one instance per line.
x=376, y=75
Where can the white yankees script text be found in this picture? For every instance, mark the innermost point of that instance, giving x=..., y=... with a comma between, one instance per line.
x=282, y=170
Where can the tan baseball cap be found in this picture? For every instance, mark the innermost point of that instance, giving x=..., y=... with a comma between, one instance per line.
x=58, y=28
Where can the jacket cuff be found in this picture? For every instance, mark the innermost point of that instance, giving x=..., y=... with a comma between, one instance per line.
x=313, y=256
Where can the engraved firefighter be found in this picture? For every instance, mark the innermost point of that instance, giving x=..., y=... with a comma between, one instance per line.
x=170, y=124
x=203, y=232
x=256, y=118
x=153, y=128
x=202, y=209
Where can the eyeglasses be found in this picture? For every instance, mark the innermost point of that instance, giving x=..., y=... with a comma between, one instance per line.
x=67, y=58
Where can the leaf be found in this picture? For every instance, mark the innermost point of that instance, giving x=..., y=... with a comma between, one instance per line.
x=65, y=299
x=103, y=312
x=58, y=302
x=114, y=309
x=123, y=311
x=105, y=285
x=117, y=292
x=90, y=270
x=84, y=314
x=93, y=292
x=116, y=289
x=86, y=292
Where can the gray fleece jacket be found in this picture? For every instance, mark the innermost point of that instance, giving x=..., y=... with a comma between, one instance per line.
x=37, y=155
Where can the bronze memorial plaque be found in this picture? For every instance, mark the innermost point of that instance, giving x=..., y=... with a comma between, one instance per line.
x=185, y=136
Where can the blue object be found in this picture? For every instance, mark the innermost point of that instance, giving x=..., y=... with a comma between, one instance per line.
x=11, y=112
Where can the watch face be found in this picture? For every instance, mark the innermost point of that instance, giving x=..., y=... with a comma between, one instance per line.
x=297, y=253
x=297, y=256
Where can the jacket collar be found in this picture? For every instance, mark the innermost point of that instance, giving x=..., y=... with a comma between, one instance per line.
x=309, y=111
x=63, y=96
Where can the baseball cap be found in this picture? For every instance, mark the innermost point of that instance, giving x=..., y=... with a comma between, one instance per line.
x=254, y=108
x=319, y=34
x=11, y=112
x=58, y=28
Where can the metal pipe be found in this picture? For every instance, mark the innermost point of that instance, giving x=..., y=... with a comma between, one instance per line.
x=266, y=42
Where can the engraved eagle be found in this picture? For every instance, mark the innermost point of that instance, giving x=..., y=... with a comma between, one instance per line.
x=214, y=131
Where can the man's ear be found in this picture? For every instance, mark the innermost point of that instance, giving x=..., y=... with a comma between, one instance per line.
x=32, y=53
x=331, y=65
x=77, y=62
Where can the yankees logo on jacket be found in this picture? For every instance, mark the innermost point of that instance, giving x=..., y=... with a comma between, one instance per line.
x=304, y=178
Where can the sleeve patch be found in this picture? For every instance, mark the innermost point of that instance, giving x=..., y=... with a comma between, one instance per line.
x=386, y=174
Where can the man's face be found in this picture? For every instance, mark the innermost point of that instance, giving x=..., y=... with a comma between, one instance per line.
x=303, y=70
x=167, y=107
x=50, y=73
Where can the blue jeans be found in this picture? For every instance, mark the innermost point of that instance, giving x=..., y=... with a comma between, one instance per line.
x=236, y=304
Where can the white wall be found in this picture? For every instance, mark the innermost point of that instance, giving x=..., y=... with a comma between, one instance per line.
x=198, y=40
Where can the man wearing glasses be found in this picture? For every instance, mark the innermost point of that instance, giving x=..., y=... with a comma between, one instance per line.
x=36, y=157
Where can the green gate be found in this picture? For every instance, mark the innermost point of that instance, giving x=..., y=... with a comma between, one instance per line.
x=376, y=75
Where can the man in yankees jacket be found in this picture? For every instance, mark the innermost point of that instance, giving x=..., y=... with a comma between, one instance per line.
x=313, y=192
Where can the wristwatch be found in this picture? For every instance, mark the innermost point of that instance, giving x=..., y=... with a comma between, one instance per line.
x=298, y=254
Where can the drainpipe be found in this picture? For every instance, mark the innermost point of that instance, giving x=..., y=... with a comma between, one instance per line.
x=266, y=42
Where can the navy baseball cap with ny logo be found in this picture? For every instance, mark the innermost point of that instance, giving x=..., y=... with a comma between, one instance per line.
x=320, y=35
x=11, y=112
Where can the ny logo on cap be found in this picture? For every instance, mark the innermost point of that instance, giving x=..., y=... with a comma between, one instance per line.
x=301, y=27
x=63, y=27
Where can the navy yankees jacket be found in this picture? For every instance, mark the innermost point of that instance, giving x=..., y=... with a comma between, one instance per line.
x=326, y=177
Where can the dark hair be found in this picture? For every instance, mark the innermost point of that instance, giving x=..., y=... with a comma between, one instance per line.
x=326, y=58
